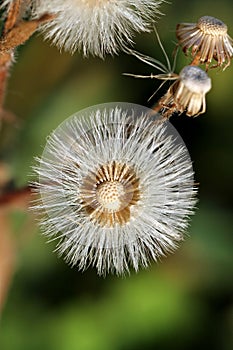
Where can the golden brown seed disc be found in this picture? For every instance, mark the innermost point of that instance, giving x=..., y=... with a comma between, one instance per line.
x=109, y=193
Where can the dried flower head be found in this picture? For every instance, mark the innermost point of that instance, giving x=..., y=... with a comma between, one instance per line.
x=208, y=39
x=187, y=93
x=96, y=27
x=116, y=188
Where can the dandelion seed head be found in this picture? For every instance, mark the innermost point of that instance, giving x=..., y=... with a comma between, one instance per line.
x=96, y=27
x=115, y=189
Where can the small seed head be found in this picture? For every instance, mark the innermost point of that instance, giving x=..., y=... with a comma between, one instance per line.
x=195, y=79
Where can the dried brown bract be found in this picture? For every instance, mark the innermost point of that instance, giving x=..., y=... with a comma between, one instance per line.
x=208, y=39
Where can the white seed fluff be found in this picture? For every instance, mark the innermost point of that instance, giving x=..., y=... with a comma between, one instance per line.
x=96, y=27
x=116, y=189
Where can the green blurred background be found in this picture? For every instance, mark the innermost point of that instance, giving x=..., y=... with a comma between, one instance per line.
x=185, y=301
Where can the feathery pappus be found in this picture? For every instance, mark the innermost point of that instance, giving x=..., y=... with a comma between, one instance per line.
x=115, y=188
x=96, y=27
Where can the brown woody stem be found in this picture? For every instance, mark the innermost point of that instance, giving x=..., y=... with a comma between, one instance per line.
x=16, y=198
x=15, y=34
x=196, y=60
x=7, y=257
x=5, y=63
x=12, y=16
x=21, y=33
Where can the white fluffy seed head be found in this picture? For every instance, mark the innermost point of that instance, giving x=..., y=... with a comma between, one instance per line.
x=116, y=189
x=96, y=27
x=195, y=79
